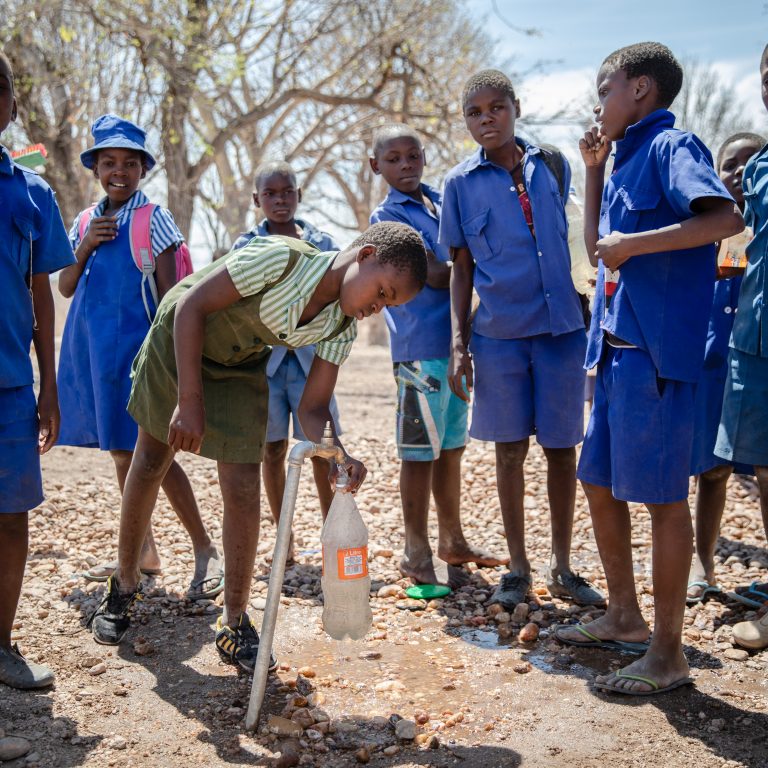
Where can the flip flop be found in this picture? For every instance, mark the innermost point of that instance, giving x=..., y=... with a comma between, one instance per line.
x=751, y=596
x=655, y=687
x=707, y=589
x=216, y=586
x=98, y=573
x=591, y=641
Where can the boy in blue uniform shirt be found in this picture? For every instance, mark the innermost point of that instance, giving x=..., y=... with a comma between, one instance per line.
x=661, y=210
x=431, y=421
x=33, y=243
x=278, y=195
x=504, y=221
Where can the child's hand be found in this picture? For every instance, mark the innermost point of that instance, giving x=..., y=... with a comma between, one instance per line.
x=48, y=412
x=101, y=230
x=613, y=250
x=595, y=148
x=187, y=427
x=356, y=471
x=459, y=372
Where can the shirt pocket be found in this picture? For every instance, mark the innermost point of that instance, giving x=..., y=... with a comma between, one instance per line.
x=23, y=234
x=641, y=206
x=475, y=230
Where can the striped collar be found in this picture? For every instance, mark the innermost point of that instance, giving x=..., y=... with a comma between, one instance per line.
x=136, y=200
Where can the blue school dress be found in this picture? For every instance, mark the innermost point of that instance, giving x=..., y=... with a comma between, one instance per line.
x=105, y=327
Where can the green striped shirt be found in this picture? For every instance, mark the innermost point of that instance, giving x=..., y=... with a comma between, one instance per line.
x=259, y=265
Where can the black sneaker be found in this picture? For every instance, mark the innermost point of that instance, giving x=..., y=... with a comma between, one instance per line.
x=239, y=645
x=110, y=621
x=512, y=590
x=574, y=587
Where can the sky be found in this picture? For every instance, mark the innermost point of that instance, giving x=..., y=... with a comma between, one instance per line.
x=576, y=35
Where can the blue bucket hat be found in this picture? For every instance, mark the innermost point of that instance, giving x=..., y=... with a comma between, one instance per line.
x=113, y=131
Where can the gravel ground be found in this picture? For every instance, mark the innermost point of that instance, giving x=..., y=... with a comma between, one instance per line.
x=466, y=687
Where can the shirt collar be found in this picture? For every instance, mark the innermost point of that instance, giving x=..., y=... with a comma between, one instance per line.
x=136, y=200
x=396, y=196
x=6, y=164
x=478, y=158
x=306, y=229
x=641, y=131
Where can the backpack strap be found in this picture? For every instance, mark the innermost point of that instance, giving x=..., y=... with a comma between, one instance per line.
x=342, y=326
x=141, y=252
x=554, y=160
x=85, y=220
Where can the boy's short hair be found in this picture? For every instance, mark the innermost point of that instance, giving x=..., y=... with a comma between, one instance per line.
x=5, y=60
x=488, y=78
x=653, y=60
x=265, y=170
x=741, y=136
x=389, y=131
x=399, y=245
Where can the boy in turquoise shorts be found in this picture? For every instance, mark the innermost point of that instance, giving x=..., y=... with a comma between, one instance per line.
x=651, y=226
x=431, y=421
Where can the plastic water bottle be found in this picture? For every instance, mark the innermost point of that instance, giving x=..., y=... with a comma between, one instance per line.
x=346, y=582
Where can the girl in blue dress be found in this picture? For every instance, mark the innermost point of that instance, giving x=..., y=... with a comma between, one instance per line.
x=712, y=472
x=107, y=323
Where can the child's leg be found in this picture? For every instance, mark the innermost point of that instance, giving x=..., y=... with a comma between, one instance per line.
x=446, y=489
x=273, y=472
x=240, y=489
x=561, y=491
x=665, y=662
x=762, y=483
x=14, y=543
x=612, y=528
x=150, y=463
x=209, y=571
x=415, y=484
x=510, y=458
x=150, y=557
x=710, y=502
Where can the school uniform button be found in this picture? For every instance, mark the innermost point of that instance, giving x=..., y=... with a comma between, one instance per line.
x=728, y=310
x=235, y=348
x=547, y=294
x=282, y=336
x=540, y=254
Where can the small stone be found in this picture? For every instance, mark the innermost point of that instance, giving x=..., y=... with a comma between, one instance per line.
x=12, y=747
x=505, y=630
x=281, y=726
x=143, y=648
x=529, y=633
x=98, y=669
x=409, y=604
x=405, y=730
x=433, y=742
x=389, y=751
x=736, y=654
x=389, y=685
x=520, y=614
x=369, y=655
x=303, y=718
x=313, y=735
x=307, y=672
x=494, y=610
x=389, y=590
x=502, y=618
x=522, y=667
x=120, y=692
x=117, y=742
x=258, y=603
x=362, y=755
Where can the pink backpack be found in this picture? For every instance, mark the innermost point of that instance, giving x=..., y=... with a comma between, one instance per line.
x=141, y=249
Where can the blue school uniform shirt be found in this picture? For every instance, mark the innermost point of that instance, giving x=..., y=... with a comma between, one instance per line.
x=524, y=284
x=32, y=236
x=323, y=242
x=662, y=301
x=420, y=329
x=751, y=323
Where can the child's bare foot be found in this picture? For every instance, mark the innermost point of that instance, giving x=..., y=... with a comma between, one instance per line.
x=433, y=570
x=466, y=553
x=653, y=673
x=208, y=578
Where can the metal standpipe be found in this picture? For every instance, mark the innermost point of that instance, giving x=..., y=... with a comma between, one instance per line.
x=328, y=450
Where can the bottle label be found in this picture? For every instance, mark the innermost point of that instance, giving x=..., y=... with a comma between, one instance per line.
x=352, y=563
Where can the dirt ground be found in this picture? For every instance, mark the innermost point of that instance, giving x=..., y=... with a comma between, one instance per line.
x=165, y=699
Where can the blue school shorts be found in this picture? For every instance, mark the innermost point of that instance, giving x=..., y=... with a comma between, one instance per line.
x=286, y=387
x=430, y=418
x=21, y=484
x=639, y=438
x=531, y=386
x=743, y=432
